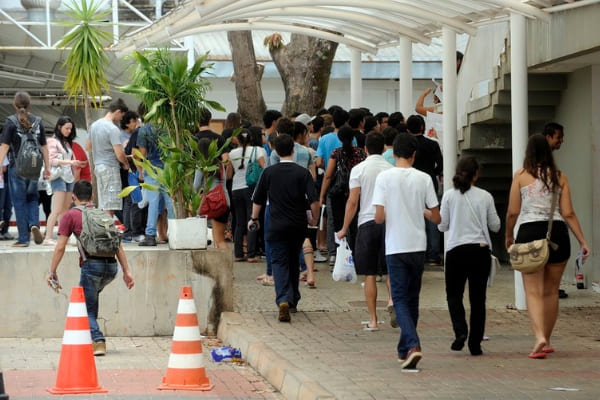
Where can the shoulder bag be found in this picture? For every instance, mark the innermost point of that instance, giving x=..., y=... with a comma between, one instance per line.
x=215, y=202
x=494, y=263
x=532, y=256
x=253, y=169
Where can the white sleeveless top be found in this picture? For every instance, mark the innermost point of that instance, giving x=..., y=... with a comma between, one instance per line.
x=536, y=201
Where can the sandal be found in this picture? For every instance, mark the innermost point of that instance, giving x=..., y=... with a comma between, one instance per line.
x=261, y=277
x=268, y=281
x=311, y=284
x=49, y=242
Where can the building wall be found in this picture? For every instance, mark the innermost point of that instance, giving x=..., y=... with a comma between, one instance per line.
x=378, y=95
x=578, y=104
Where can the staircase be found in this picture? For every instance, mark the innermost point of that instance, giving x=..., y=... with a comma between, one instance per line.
x=487, y=134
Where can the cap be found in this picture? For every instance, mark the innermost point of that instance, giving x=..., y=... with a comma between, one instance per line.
x=304, y=118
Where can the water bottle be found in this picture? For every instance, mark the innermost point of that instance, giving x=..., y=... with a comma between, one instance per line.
x=579, y=271
x=48, y=187
x=221, y=353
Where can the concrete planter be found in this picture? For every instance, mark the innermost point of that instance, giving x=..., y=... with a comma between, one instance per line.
x=188, y=234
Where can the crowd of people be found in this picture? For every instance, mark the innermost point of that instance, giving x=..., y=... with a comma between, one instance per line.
x=374, y=180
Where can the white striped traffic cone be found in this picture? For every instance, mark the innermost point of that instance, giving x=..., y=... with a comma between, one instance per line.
x=77, y=367
x=186, y=363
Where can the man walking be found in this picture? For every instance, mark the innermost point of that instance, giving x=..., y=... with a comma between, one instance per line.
x=402, y=197
x=369, y=248
x=290, y=190
x=109, y=156
x=96, y=272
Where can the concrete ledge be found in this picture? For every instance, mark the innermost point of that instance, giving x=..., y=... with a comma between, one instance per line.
x=31, y=309
x=279, y=371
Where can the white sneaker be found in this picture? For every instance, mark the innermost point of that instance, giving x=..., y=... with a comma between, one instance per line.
x=332, y=261
x=318, y=257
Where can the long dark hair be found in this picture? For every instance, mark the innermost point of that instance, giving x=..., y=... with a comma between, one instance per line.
x=466, y=169
x=22, y=103
x=346, y=135
x=539, y=161
x=244, y=138
x=63, y=120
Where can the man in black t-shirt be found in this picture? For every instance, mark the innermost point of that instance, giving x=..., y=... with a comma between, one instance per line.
x=289, y=189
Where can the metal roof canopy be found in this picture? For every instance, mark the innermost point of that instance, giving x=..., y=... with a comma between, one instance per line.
x=363, y=25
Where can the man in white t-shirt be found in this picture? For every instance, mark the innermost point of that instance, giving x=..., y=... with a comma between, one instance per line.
x=369, y=247
x=402, y=196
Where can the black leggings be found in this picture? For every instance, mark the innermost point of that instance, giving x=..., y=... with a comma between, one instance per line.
x=467, y=262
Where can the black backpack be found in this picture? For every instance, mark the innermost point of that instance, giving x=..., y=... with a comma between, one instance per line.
x=28, y=160
x=341, y=180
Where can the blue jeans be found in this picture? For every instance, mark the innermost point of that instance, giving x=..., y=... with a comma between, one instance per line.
x=95, y=275
x=286, y=270
x=405, y=271
x=157, y=202
x=24, y=193
x=267, y=247
x=433, y=240
x=5, y=204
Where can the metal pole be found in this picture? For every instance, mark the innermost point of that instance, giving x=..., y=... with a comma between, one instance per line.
x=519, y=113
x=449, y=104
x=406, y=105
x=48, y=29
x=355, y=79
x=115, y=17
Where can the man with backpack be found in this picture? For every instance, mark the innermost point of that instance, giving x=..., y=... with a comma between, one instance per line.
x=24, y=140
x=98, y=243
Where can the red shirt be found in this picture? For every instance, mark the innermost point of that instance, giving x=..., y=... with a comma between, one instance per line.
x=80, y=155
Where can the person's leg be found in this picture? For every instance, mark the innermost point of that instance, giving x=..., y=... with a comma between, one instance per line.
x=153, y=206
x=534, y=294
x=294, y=246
x=95, y=274
x=307, y=251
x=218, y=231
x=6, y=208
x=552, y=276
x=251, y=237
x=280, y=262
x=57, y=209
x=239, y=206
x=127, y=220
x=32, y=205
x=478, y=272
x=371, y=298
x=456, y=277
x=331, y=246
x=269, y=267
x=433, y=242
x=401, y=274
x=18, y=190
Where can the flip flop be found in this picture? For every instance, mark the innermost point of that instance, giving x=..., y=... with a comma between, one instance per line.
x=311, y=285
x=368, y=328
x=537, y=356
x=548, y=350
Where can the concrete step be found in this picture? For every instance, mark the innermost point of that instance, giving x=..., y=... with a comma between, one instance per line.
x=535, y=97
x=537, y=82
x=502, y=114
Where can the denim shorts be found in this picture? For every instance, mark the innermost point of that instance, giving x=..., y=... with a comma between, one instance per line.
x=59, y=185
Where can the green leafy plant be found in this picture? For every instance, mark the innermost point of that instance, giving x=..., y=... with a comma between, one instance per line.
x=175, y=97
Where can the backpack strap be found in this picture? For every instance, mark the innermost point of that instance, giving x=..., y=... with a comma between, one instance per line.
x=79, y=245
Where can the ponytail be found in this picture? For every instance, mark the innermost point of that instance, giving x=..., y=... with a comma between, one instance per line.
x=22, y=103
x=466, y=169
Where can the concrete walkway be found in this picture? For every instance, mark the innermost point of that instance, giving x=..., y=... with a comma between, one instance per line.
x=324, y=353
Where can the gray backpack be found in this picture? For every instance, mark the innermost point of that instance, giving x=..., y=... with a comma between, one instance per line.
x=99, y=236
x=28, y=160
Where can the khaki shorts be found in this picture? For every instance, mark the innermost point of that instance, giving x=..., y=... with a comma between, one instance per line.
x=109, y=187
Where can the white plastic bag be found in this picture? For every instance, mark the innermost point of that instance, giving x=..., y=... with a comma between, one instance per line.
x=343, y=269
x=495, y=265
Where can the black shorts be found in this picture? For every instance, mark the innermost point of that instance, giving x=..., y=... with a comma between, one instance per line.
x=530, y=231
x=369, y=249
x=223, y=218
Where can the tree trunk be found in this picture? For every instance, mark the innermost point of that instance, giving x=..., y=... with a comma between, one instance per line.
x=251, y=104
x=305, y=66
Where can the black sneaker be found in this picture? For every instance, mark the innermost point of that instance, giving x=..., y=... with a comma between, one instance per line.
x=148, y=241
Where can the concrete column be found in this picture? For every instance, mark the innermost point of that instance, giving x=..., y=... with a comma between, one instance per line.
x=355, y=79
x=158, y=6
x=115, y=18
x=406, y=105
x=188, y=42
x=449, y=105
x=519, y=113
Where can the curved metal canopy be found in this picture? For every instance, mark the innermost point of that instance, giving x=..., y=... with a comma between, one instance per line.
x=364, y=25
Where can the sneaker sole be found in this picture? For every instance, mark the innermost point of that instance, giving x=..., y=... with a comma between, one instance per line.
x=393, y=320
x=412, y=361
x=38, y=238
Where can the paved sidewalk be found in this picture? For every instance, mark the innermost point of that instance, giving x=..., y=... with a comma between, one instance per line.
x=324, y=353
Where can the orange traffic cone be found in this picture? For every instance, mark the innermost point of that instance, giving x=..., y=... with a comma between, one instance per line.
x=186, y=363
x=77, y=368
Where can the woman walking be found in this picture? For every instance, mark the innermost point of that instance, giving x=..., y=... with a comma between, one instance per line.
x=467, y=214
x=528, y=213
x=60, y=150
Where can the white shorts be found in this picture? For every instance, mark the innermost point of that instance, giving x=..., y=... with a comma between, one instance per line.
x=109, y=187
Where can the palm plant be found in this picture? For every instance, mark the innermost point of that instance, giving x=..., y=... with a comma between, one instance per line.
x=175, y=97
x=87, y=59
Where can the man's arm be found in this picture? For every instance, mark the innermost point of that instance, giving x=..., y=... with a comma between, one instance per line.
x=3, y=151
x=314, y=208
x=46, y=157
x=127, y=276
x=120, y=153
x=379, y=214
x=59, y=251
x=351, y=207
x=319, y=162
x=433, y=215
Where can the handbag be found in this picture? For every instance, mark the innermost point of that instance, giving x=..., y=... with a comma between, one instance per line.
x=215, y=202
x=532, y=256
x=494, y=262
x=253, y=170
x=56, y=171
x=341, y=180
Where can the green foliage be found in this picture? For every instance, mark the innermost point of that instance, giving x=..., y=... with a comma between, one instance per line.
x=175, y=98
x=87, y=59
